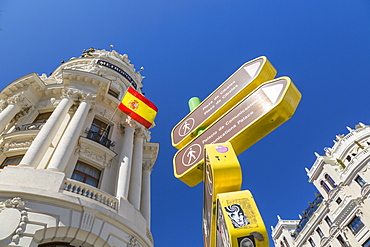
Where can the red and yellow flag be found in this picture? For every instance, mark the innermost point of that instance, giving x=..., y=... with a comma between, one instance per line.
x=138, y=107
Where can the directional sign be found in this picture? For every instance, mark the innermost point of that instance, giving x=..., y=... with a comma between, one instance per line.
x=246, y=79
x=222, y=174
x=239, y=223
x=255, y=116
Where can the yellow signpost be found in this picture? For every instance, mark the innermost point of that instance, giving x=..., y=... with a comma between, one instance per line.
x=247, y=78
x=239, y=222
x=222, y=173
x=256, y=115
x=241, y=111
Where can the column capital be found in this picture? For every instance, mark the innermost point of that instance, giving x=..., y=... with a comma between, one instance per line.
x=148, y=165
x=19, y=99
x=141, y=132
x=129, y=122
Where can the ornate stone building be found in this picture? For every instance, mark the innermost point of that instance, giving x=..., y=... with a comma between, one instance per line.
x=340, y=213
x=74, y=171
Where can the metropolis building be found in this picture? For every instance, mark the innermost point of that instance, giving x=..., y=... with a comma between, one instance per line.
x=74, y=171
x=339, y=216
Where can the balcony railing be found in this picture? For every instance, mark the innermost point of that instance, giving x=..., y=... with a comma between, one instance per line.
x=31, y=126
x=96, y=137
x=307, y=214
x=91, y=192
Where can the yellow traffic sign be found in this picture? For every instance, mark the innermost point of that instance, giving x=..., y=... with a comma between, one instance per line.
x=255, y=116
x=222, y=173
x=239, y=222
x=246, y=79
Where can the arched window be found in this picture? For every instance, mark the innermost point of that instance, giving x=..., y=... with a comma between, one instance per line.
x=325, y=186
x=330, y=181
x=282, y=244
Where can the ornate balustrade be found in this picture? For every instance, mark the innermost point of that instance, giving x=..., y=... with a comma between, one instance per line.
x=96, y=137
x=88, y=191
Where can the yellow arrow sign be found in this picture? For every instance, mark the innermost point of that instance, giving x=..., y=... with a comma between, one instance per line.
x=239, y=222
x=259, y=113
x=247, y=78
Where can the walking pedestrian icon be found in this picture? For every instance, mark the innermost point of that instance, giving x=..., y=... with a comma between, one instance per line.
x=191, y=155
x=186, y=127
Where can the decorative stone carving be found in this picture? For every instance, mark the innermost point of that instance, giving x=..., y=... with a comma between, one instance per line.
x=9, y=146
x=133, y=242
x=148, y=165
x=14, y=215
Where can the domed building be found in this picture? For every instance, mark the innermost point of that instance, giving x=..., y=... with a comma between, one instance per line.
x=340, y=213
x=74, y=170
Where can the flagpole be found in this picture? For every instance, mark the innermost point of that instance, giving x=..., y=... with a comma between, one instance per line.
x=110, y=120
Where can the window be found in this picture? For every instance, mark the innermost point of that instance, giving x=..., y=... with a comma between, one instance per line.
x=321, y=234
x=341, y=241
x=311, y=242
x=330, y=181
x=11, y=161
x=356, y=225
x=86, y=174
x=282, y=244
x=42, y=117
x=360, y=181
x=328, y=221
x=99, y=132
x=367, y=243
x=114, y=93
x=338, y=201
x=286, y=242
x=325, y=186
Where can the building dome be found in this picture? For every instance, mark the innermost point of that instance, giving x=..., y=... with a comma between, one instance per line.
x=74, y=170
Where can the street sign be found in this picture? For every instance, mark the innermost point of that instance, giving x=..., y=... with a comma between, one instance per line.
x=239, y=222
x=259, y=113
x=246, y=79
x=222, y=174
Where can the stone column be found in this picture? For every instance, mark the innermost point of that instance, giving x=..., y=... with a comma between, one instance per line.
x=70, y=137
x=134, y=195
x=145, y=192
x=125, y=161
x=47, y=133
x=13, y=107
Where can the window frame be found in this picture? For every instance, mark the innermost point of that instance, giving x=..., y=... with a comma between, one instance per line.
x=319, y=232
x=330, y=180
x=43, y=119
x=20, y=157
x=312, y=243
x=328, y=221
x=341, y=241
x=360, y=181
x=356, y=225
x=325, y=186
x=86, y=175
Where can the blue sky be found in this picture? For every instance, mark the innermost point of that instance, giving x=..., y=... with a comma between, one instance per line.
x=188, y=48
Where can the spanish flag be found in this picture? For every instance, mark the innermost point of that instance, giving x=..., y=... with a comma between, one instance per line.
x=138, y=107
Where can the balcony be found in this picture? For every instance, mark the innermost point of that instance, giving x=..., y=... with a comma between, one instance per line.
x=85, y=190
x=99, y=138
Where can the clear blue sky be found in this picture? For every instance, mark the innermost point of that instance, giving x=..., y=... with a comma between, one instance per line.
x=188, y=48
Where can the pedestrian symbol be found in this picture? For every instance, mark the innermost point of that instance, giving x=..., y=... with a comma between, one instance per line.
x=191, y=155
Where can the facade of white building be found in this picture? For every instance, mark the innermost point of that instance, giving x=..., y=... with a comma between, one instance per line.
x=340, y=213
x=74, y=171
